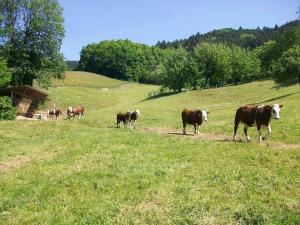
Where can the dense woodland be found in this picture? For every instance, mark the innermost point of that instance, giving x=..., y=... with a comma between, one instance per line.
x=245, y=38
x=215, y=59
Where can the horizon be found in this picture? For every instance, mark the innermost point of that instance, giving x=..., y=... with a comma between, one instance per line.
x=154, y=21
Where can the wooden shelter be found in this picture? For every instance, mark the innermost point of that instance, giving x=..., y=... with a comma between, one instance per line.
x=25, y=98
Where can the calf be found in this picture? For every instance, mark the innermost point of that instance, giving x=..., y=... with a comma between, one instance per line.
x=194, y=117
x=260, y=116
x=54, y=112
x=123, y=117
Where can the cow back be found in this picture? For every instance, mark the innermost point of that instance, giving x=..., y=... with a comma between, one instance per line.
x=191, y=116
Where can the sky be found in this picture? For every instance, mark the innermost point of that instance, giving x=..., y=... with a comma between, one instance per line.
x=149, y=21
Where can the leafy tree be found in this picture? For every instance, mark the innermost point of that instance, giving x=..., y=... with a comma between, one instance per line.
x=245, y=65
x=214, y=61
x=192, y=70
x=286, y=69
x=174, y=76
x=122, y=59
x=31, y=39
x=7, y=111
x=5, y=74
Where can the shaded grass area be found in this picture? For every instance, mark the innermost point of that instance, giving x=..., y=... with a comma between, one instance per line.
x=87, y=172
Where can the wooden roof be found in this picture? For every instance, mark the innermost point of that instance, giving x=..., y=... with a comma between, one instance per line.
x=26, y=91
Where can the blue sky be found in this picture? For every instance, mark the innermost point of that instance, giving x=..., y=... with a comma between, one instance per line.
x=148, y=21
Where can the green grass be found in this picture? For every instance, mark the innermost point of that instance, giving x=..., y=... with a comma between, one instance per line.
x=88, y=172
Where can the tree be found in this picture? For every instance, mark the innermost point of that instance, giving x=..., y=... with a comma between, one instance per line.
x=174, y=76
x=286, y=70
x=192, y=70
x=245, y=65
x=122, y=59
x=5, y=74
x=214, y=62
x=31, y=40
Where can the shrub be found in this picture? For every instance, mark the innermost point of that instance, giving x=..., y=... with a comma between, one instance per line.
x=7, y=111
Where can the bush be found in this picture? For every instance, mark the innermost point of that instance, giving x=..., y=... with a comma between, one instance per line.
x=7, y=111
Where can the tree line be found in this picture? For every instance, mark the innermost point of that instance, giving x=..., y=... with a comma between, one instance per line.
x=207, y=65
x=245, y=38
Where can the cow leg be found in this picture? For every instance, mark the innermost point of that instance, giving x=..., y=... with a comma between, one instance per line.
x=259, y=133
x=133, y=124
x=184, y=127
x=196, y=126
x=269, y=132
x=246, y=132
x=236, y=125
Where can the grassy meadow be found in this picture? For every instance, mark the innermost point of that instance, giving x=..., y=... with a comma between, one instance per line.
x=90, y=172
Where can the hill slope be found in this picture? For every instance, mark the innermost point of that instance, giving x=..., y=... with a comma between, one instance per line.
x=88, y=172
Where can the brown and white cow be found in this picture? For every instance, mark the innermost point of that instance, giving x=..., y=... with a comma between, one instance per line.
x=54, y=112
x=194, y=117
x=133, y=116
x=123, y=117
x=128, y=118
x=75, y=111
x=251, y=115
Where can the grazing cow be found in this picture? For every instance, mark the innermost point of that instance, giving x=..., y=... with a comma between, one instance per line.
x=123, y=117
x=133, y=117
x=194, y=117
x=54, y=112
x=75, y=111
x=251, y=115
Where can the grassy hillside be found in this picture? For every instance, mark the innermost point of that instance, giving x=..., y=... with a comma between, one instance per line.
x=89, y=172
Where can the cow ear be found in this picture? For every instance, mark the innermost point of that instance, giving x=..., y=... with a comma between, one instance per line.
x=207, y=112
x=280, y=106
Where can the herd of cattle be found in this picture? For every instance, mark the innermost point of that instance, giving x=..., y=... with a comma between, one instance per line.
x=249, y=115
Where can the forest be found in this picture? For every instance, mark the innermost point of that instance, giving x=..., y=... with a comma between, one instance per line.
x=218, y=58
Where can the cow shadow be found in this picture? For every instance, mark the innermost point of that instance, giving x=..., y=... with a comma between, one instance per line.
x=180, y=134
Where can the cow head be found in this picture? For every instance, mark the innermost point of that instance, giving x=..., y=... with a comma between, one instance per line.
x=70, y=112
x=276, y=110
x=137, y=112
x=204, y=115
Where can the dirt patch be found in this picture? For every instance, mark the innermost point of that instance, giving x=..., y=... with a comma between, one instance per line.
x=14, y=163
x=177, y=132
x=213, y=137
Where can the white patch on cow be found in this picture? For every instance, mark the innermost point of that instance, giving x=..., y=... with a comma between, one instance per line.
x=234, y=137
x=275, y=111
x=204, y=115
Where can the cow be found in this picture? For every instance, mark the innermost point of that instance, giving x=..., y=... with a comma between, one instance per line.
x=54, y=112
x=75, y=111
x=123, y=117
x=128, y=118
x=133, y=116
x=194, y=117
x=256, y=115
